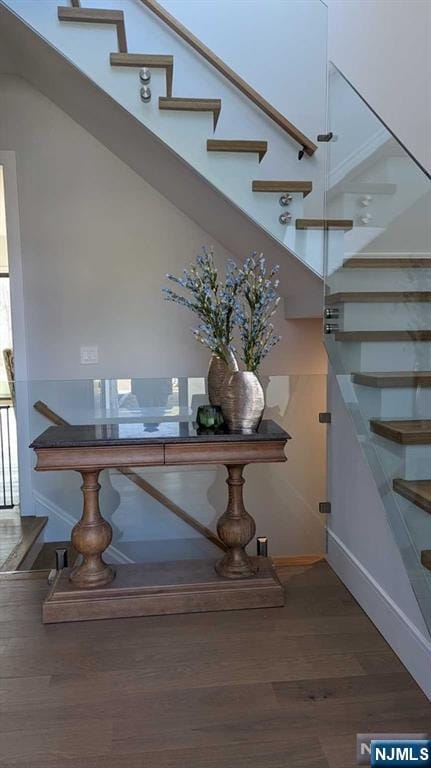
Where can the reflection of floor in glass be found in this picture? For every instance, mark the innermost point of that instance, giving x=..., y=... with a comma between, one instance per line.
x=147, y=531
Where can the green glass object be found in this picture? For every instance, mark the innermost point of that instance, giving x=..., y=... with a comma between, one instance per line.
x=209, y=417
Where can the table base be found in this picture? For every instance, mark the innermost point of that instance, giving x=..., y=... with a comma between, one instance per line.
x=151, y=589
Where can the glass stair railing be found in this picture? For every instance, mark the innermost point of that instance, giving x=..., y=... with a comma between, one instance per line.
x=378, y=315
x=159, y=513
x=221, y=131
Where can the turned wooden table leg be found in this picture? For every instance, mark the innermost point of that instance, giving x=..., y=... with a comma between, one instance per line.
x=90, y=537
x=236, y=528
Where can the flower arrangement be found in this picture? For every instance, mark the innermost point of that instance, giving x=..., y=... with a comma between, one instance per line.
x=213, y=301
x=254, y=310
x=247, y=299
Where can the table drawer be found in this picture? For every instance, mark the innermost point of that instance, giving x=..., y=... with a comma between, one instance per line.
x=100, y=457
x=224, y=453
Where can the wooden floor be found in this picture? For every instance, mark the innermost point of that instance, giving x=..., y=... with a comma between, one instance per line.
x=278, y=688
x=12, y=530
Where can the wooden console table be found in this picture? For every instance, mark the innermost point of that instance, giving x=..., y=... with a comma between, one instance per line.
x=94, y=589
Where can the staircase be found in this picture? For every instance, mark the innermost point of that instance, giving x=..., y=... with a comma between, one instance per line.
x=21, y=540
x=378, y=342
x=252, y=170
x=268, y=172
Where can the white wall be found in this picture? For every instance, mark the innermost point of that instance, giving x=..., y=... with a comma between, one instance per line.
x=362, y=549
x=384, y=48
x=288, y=41
x=96, y=243
x=97, y=240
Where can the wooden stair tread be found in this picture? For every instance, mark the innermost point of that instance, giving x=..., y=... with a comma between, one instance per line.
x=367, y=188
x=238, y=145
x=96, y=16
x=178, y=103
x=150, y=60
x=31, y=528
x=403, y=431
x=418, y=335
x=417, y=491
x=389, y=262
x=377, y=296
x=344, y=224
x=141, y=60
x=382, y=379
x=283, y=186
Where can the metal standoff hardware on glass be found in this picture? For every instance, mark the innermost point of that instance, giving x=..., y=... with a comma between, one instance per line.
x=285, y=218
x=285, y=200
x=145, y=76
x=145, y=94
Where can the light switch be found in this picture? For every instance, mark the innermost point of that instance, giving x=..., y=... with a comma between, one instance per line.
x=89, y=355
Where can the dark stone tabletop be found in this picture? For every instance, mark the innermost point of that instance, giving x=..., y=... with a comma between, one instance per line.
x=128, y=433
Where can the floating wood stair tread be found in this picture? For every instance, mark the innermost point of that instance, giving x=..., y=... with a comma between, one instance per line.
x=149, y=60
x=283, y=186
x=404, y=431
x=426, y=558
x=424, y=335
x=367, y=188
x=96, y=16
x=417, y=491
x=236, y=145
x=344, y=224
x=360, y=297
x=176, y=103
x=32, y=527
x=361, y=189
x=392, y=379
x=153, y=60
x=387, y=262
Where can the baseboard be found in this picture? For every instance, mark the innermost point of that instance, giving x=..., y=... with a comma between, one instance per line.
x=407, y=641
x=280, y=560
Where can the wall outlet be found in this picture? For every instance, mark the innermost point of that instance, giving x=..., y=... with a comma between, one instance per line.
x=89, y=355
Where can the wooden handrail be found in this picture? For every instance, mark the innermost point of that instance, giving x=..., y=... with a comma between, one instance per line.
x=308, y=146
x=145, y=486
x=46, y=411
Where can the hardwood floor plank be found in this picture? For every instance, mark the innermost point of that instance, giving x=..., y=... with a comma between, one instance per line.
x=384, y=662
x=251, y=689
x=144, y=711
x=88, y=737
x=298, y=752
x=343, y=689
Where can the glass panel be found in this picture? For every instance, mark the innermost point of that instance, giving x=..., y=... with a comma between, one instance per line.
x=148, y=525
x=378, y=313
x=89, y=47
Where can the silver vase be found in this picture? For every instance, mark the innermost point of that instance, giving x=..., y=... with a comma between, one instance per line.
x=243, y=402
x=217, y=373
